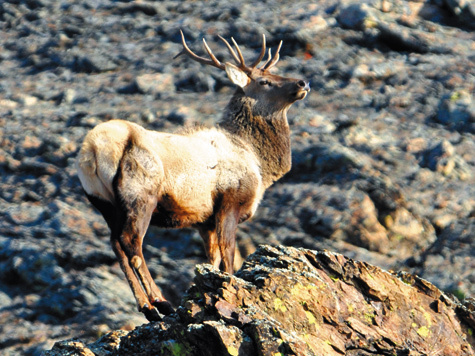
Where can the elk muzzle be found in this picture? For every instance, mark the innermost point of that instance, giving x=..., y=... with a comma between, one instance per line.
x=303, y=88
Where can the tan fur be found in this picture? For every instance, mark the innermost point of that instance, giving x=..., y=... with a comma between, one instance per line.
x=210, y=179
x=197, y=167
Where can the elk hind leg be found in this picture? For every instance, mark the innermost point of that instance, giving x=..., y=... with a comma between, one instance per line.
x=154, y=294
x=131, y=239
x=115, y=219
x=135, y=286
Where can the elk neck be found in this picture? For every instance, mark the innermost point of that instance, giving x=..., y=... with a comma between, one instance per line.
x=268, y=133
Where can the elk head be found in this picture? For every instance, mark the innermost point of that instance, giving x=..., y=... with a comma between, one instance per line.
x=271, y=92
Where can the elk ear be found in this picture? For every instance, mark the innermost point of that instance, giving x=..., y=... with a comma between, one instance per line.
x=236, y=75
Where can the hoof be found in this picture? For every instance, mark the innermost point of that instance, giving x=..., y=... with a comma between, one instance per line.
x=150, y=314
x=164, y=307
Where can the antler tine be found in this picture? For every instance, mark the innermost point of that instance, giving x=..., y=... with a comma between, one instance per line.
x=263, y=67
x=231, y=50
x=274, y=60
x=241, y=58
x=238, y=58
x=186, y=50
x=215, y=60
x=262, y=54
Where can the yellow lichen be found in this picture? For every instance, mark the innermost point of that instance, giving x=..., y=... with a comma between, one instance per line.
x=370, y=23
x=298, y=289
x=279, y=305
x=428, y=319
x=369, y=317
x=233, y=351
x=311, y=317
x=423, y=331
x=455, y=96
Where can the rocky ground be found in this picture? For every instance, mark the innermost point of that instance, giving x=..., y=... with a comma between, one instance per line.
x=383, y=147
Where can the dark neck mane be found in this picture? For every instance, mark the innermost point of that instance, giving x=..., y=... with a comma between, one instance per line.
x=268, y=134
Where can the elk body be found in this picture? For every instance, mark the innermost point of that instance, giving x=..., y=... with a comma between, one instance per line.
x=210, y=179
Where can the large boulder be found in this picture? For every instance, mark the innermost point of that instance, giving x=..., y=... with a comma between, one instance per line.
x=289, y=301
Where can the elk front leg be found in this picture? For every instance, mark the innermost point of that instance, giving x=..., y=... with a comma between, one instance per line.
x=210, y=239
x=226, y=226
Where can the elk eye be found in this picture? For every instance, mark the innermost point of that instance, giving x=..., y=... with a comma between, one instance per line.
x=265, y=82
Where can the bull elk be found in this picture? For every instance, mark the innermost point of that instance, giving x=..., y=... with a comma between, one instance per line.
x=210, y=179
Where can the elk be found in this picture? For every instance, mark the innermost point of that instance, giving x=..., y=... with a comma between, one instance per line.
x=210, y=179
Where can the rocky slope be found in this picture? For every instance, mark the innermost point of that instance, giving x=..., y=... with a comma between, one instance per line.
x=384, y=149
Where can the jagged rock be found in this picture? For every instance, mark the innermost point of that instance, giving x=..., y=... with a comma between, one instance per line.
x=290, y=301
x=105, y=346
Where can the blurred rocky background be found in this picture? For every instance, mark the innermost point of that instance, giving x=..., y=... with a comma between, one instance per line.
x=383, y=147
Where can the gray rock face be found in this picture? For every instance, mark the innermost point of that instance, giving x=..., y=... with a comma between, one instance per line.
x=383, y=147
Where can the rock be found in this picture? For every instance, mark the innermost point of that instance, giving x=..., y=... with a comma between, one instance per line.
x=464, y=10
x=28, y=100
x=442, y=158
x=370, y=213
x=27, y=214
x=357, y=16
x=457, y=110
x=105, y=346
x=25, y=265
x=94, y=63
x=326, y=158
x=196, y=81
x=400, y=38
x=179, y=116
x=382, y=21
x=303, y=302
x=458, y=273
x=155, y=83
x=70, y=348
x=147, y=9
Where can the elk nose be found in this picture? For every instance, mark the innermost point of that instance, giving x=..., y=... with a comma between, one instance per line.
x=304, y=85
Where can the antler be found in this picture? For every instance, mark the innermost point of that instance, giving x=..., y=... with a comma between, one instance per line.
x=186, y=50
x=238, y=58
x=272, y=61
